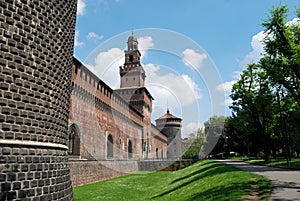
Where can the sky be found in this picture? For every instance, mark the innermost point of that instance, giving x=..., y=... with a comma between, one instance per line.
x=192, y=51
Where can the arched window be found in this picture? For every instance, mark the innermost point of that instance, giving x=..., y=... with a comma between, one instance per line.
x=156, y=151
x=110, y=146
x=73, y=142
x=129, y=149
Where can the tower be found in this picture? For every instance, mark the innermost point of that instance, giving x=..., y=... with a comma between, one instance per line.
x=132, y=73
x=170, y=125
x=132, y=87
x=37, y=40
x=133, y=90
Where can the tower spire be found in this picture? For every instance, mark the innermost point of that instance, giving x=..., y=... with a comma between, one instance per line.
x=168, y=111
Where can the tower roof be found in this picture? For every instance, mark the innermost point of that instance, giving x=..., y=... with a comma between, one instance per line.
x=132, y=38
x=168, y=115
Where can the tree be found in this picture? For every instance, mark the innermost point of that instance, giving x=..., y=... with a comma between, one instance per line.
x=282, y=47
x=195, y=143
x=253, y=100
x=266, y=98
x=214, y=128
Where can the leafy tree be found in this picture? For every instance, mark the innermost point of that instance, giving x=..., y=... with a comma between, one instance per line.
x=266, y=98
x=253, y=98
x=282, y=66
x=282, y=47
x=214, y=128
x=195, y=143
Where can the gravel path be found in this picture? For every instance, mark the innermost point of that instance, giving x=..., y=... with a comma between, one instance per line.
x=285, y=183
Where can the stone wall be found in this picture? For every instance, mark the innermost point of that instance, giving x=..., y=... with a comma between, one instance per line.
x=90, y=171
x=36, y=48
x=164, y=165
x=154, y=165
x=84, y=172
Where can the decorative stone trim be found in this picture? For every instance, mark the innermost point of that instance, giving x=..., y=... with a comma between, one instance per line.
x=33, y=144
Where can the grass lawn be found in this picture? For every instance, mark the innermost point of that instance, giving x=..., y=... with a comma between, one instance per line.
x=204, y=180
x=281, y=162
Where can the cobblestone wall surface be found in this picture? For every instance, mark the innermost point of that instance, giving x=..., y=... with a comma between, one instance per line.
x=36, y=48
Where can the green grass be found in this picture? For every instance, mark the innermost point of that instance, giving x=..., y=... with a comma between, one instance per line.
x=205, y=180
x=281, y=162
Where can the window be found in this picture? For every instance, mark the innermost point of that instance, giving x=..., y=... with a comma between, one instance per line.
x=73, y=140
x=129, y=149
x=130, y=58
x=110, y=147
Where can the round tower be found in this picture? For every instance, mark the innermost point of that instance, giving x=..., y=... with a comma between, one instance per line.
x=36, y=54
x=170, y=125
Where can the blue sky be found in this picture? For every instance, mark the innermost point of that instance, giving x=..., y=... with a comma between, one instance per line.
x=192, y=50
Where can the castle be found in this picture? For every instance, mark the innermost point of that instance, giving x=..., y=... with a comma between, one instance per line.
x=58, y=120
x=107, y=124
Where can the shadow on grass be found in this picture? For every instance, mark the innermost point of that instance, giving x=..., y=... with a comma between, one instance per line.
x=209, y=171
x=198, y=171
x=219, y=193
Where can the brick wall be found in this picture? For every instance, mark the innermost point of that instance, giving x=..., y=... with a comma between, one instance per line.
x=84, y=172
x=100, y=112
x=36, y=48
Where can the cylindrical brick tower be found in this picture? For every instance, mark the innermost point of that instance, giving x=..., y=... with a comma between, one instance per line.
x=171, y=127
x=36, y=48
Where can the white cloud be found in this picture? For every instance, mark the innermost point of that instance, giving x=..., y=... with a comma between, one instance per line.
x=257, y=50
x=81, y=7
x=191, y=127
x=107, y=66
x=77, y=43
x=145, y=43
x=93, y=35
x=178, y=90
x=258, y=47
x=226, y=86
x=228, y=101
x=192, y=58
x=193, y=86
x=295, y=21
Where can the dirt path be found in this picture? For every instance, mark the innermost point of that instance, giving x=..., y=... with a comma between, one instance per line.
x=285, y=183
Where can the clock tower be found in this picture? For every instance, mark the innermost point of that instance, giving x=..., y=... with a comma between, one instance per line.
x=132, y=73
